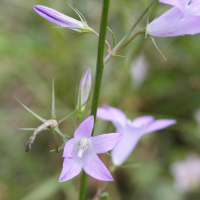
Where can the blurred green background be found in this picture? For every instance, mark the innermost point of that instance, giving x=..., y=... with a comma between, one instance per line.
x=30, y=58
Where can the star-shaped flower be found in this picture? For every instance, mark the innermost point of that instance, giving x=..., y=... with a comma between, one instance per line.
x=132, y=130
x=81, y=152
x=182, y=19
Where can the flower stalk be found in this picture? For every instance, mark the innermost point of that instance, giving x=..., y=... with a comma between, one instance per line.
x=115, y=49
x=98, y=78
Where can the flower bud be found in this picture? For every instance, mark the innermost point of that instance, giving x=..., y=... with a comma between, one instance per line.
x=62, y=20
x=84, y=90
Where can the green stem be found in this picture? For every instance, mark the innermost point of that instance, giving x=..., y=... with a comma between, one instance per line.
x=100, y=64
x=98, y=78
x=83, y=186
x=129, y=32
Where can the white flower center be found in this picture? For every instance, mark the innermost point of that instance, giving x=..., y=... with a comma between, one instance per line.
x=83, y=145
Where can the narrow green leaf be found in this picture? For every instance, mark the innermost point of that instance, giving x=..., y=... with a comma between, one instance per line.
x=37, y=116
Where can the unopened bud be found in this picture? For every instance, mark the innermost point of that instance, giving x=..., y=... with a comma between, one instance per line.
x=84, y=90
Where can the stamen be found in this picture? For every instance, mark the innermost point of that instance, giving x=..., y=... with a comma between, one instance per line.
x=83, y=145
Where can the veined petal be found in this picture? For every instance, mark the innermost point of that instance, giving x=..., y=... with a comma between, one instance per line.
x=85, y=128
x=127, y=144
x=68, y=148
x=105, y=142
x=112, y=114
x=71, y=168
x=159, y=124
x=142, y=121
x=93, y=166
x=57, y=17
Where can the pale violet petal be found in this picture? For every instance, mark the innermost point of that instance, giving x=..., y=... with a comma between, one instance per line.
x=176, y=3
x=166, y=24
x=93, y=166
x=67, y=152
x=112, y=114
x=57, y=17
x=173, y=23
x=193, y=9
x=142, y=121
x=159, y=124
x=127, y=144
x=105, y=142
x=84, y=130
x=71, y=168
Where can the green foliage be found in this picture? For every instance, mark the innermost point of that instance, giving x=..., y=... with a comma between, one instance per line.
x=31, y=58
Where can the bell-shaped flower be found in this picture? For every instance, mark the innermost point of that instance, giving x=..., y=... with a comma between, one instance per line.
x=84, y=90
x=81, y=152
x=132, y=130
x=63, y=20
x=182, y=19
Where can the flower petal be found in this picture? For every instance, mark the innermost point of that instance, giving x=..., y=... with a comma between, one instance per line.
x=93, y=166
x=112, y=114
x=105, y=142
x=57, y=17
x=176, y=3
x=166, y=24
x=142, y=121
x=85, y=128
x=71, y=168
x=193, y=9
x=159, y=124
x=127, y=144
x=68, y=148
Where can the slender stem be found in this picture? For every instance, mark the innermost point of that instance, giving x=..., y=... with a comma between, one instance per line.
x=129, y=32
x=138, y=33
x=98, y=78
x=100, y=64
x=106, y=42
x=100, y=190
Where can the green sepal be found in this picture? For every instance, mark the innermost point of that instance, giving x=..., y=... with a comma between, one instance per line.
x=157, y=47
x=64, y=137
x=114, y=40
x=71, y=37
x=37, y=116
x=30, y=129
x=64, y=118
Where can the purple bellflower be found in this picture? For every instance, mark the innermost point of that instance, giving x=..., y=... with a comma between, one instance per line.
x=63, y=20
x=132, y=130
x=182, y=19
x=81, y=152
